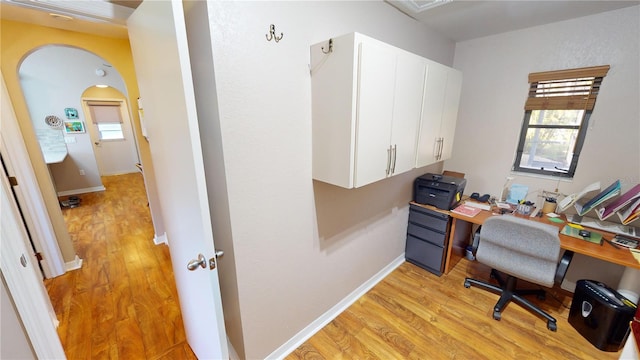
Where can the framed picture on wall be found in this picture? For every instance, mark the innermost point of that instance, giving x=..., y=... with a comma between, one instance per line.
x=73, y=127
x=71, y=113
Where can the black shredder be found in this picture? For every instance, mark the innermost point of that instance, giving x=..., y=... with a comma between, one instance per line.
x=601, y=315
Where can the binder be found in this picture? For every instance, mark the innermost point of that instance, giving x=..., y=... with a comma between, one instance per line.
x=606, y=194
x=624, y=200
x=631, y=213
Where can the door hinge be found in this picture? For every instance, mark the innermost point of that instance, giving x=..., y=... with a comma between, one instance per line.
x=13, y=181
x=39, y=256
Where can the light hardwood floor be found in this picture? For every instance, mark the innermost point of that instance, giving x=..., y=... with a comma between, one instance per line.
x=122, y=303
x=413, y=314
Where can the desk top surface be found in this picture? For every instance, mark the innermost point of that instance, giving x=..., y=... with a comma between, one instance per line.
x=606, y=251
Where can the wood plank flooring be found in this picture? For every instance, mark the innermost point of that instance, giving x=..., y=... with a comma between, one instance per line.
x=413, y=314
x=122, y=303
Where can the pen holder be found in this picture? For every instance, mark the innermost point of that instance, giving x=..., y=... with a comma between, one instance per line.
x=549, y=205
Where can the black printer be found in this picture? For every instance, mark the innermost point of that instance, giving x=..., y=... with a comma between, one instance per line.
x=443, y=192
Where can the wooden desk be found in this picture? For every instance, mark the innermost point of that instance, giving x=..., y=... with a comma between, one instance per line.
x=460, y=235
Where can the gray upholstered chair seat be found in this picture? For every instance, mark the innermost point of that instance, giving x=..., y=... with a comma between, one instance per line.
x=521, y=249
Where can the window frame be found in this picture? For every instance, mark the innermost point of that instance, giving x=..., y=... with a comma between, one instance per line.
x=556, y=91
x=577, y=149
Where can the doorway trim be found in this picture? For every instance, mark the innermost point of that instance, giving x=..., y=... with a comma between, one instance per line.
x=126, y=118
x=28, y=191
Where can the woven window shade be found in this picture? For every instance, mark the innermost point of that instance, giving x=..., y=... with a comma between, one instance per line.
x=105, y=112
x=573, y=89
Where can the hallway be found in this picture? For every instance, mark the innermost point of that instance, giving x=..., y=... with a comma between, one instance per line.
x=122, y=303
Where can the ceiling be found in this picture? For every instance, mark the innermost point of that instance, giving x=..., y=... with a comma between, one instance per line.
x=458, y=20
x=465, y=20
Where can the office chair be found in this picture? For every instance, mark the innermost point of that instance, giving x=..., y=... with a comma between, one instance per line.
x=521, y=249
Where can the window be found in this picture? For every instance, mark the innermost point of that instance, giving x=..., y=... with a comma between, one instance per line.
x=107, y=118
x=556, y=118
x=110, y=131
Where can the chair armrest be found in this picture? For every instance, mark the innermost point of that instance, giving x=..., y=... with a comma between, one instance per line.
x=563, y=266
x=476, y=240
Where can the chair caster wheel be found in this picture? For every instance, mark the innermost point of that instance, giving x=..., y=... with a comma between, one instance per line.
x=541, y=297
x=552, y=326
x=467, y=284
x=497, y=315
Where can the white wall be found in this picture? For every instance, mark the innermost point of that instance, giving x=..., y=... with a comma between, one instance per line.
x=297, y=246
x=53, y=78
x=489, y=122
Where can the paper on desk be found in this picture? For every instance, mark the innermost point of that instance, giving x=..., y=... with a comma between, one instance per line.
x=636, y=254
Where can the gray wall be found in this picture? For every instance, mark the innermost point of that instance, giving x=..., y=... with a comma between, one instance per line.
x=296, y=247
x=14, y=343
x=54, y=78
x=489, y=121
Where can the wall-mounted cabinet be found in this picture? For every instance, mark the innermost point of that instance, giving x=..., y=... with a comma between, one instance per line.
x=368, y=103
x=439, y=114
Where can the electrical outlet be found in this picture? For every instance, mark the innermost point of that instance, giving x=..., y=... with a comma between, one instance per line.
x=81, y=172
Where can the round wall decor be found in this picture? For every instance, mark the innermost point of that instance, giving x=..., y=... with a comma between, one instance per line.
x=53, y=121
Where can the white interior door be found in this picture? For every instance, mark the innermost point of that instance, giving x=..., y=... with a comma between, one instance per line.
x=160, y=53
x=18, y=268
x=111, y=133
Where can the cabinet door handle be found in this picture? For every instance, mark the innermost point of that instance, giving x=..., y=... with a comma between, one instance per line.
x=393, y=168
x=388, y=160
x=441, y=148
x=438, y=148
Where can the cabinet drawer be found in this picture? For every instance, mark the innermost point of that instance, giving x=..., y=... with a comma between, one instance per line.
x=424, y=254
x=430, y=219
x=423, y=233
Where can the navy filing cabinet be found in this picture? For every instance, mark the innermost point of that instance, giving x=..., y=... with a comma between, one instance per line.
x=427, y=237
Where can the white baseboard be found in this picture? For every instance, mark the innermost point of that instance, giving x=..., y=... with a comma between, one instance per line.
x=304, y=335
x=82, y=191
x=74, y=264
x=160, y=239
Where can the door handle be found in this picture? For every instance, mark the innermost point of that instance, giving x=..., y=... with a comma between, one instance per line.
x=393, y=167
x=201, y=261
x=388, y=160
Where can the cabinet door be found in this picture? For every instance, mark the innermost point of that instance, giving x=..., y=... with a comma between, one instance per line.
x=333, y=106
x=450, y=111
x=432, y=105
x=376, y=79
x=407, y=109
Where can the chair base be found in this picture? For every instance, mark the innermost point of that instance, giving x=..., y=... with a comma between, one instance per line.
x=508, y=292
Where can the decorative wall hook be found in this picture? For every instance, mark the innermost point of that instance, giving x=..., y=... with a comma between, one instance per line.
x=330, y=47
x=272, y=34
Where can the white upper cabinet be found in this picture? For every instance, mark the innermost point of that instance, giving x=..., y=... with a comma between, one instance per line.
x=410, y=76
x=366, y=108
x=378, y=110
x=439, y=114
x=374, y=114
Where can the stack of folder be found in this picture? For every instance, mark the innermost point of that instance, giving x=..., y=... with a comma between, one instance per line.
x=606, y=194
x=630, y=200
x=605, y=204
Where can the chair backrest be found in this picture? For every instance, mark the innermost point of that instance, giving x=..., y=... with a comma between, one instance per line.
x=526, y=249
